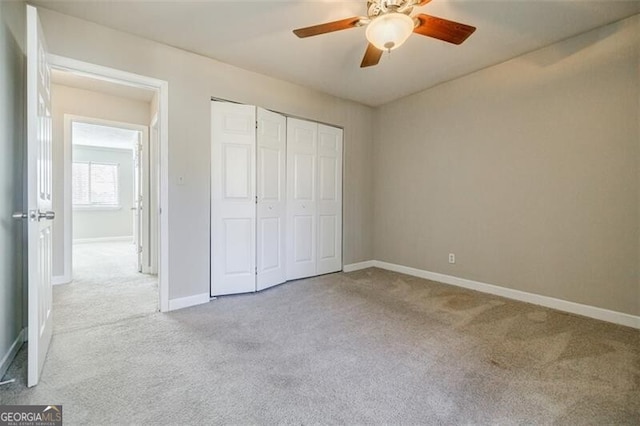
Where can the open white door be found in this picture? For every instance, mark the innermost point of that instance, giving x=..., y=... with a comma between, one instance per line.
x=136, y=204
x=154, y=195
x=39, y=215
x=302, y=138
x=141, y=206
x=272, y=204
x=233, y=198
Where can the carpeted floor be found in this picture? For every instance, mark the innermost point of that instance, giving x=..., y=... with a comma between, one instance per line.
x=106, y=288
x=366, y=347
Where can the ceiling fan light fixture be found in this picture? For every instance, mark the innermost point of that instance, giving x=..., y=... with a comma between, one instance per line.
x=389, y=31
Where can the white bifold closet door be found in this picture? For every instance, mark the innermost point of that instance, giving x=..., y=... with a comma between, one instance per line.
x=329, y=200
x=233, y=198
x=314, y=199
x=248, y=198
x=272, y=199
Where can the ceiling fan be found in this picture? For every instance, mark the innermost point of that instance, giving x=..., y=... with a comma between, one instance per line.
x=389, y=24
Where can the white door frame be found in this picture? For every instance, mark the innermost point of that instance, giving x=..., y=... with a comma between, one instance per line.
x=69, y=119
x=161, y=87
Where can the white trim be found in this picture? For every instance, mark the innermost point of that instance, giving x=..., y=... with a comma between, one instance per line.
x=358, y=266
x=103, y=239
x=536, y=299
x=163, y=255
x=185, y=302
x=11, y=353
x=60, y=279
x=162, y=88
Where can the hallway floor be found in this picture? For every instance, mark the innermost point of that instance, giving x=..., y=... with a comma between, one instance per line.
x=106, y=288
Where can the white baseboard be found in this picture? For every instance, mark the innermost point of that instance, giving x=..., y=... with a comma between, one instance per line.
x=60, y=279
x=103, y=239
x=358, y=266
x=11, y=353
x=185, y=302
x=536, y=299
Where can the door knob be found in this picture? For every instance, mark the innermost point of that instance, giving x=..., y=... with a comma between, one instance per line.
x=48, y=215
x=34, y=215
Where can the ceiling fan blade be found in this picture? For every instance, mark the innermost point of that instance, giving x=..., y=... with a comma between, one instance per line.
x=443, y=29
x=328, y=27
x=371, y=56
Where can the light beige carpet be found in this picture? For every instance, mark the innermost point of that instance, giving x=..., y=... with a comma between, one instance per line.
x=367, y=347
x=106, y=288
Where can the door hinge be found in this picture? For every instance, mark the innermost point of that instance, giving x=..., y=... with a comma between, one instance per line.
x=256, y=124
x=139, y=249
x=256, y=199
x=256, y=270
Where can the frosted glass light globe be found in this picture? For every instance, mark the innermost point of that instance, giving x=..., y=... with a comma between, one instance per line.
x=389, y=31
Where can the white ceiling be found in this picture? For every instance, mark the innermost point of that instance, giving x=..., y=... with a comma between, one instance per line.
x=78, y=81
x=256, y=35
x=96, y=135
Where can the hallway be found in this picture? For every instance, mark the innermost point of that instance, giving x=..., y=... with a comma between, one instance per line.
x=106, y=288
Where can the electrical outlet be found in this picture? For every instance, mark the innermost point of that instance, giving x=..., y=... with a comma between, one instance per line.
x=452, y=258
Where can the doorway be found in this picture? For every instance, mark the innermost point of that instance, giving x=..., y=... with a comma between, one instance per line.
x=108, y=185
x=121, y=82
x=110, y=223
x=104, y=235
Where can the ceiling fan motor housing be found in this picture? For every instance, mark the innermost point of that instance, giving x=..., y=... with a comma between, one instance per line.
x=376, y=8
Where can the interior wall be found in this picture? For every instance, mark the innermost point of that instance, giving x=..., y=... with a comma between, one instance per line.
x=89, y=223
x=193, y=79
x=528, y=171
x=12, y=145
x=85, y=103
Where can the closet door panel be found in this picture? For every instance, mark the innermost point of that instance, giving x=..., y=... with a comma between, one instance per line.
x=272, y=204
x=329, y=205
x=233, y=189
x=302, y=138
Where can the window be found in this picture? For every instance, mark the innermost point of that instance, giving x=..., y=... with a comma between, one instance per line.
x=95, y=184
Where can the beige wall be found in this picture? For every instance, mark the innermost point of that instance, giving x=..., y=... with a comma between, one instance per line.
x=528, y=171
x=12, y=136
x=85, y=103
x=192, y=81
